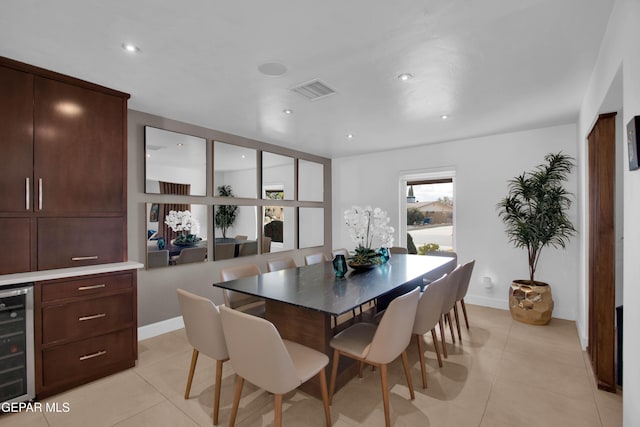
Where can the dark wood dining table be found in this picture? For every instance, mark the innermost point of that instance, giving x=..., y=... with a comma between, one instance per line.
x=301, y=301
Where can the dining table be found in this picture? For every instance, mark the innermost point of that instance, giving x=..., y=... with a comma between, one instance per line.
x=301, y=301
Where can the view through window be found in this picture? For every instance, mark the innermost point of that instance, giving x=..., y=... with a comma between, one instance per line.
x=430, y=214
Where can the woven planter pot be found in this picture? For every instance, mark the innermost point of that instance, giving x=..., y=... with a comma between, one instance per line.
x=532, y=304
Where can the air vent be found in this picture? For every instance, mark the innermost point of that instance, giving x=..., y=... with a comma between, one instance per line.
x=315, y=89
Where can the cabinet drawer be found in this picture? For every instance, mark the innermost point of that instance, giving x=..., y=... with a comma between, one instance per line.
x=87, y=318
x=89, y=286
x=74, y=242
x=67, y=363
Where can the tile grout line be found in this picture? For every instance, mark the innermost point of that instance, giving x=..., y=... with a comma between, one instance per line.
x=166, y=398
x=495, y=375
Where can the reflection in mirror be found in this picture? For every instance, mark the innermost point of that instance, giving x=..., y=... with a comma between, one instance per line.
x=236, y=167
x=174, y=163
x=236, y=231
x=176, y=234
x=278, y=225
x=277, y=177
x=310, y=181
x=311, y=227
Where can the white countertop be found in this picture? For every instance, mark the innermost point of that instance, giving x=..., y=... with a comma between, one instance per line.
x=61, y=273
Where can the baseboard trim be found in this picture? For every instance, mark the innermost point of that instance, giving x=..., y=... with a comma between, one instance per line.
x=159, y=328
x=487, y=302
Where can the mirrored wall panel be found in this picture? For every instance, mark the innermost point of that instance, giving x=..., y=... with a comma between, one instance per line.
x=277, y=177
x=311, y=227
x=236, y=232
x=310, y=181
x=176, y=234
x=278, y=226
x=235, y=167
x=174, y=163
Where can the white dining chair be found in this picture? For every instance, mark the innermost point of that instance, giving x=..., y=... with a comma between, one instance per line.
x=428, y=315
x=204, y=332
x=316, y=258
x=259, y=355
x=283, y=263
x=380, y=345
x=463, y=287
x=449, y=300
x=237, y=300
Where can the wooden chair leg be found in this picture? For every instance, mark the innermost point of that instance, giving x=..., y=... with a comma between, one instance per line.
x=444, y=343
x=360, y=368
x=236, y=400
x=435, y=344
x=453, y=337
x=405, y=365
x=385, y=394
x=455, y=312
x=192, y=370
x=464, y=311
x=277, y=407
x=423, y=369
x=334, y=374
x=216, y=397
x=325, y=396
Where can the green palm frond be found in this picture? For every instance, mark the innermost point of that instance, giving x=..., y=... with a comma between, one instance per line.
x=535, y=209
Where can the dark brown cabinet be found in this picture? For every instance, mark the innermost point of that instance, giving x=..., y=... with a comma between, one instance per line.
x=64, y=171
x=16, y=139
x=85, y=328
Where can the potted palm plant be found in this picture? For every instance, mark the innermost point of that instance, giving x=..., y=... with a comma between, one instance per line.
x=535, y=214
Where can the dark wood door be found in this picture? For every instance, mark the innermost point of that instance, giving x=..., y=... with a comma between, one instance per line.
x=16, y=140
x=601, y=147
x=79, y=148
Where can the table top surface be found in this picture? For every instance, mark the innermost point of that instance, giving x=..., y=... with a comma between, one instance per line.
x=316, y=287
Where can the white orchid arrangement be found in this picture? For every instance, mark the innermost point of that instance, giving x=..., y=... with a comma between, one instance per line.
x=368, y=226
x=182, y=221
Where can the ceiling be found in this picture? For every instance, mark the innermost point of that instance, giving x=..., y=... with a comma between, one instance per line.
x=492, y=66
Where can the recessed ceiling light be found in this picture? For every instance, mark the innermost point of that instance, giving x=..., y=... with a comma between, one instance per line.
x=405, y=76
x=244, y=157
x=444, y=117
x=130, y=47
x=287, y=111
x=350, y=136
x=272, y=69
x=179, y=144
x=148, y=155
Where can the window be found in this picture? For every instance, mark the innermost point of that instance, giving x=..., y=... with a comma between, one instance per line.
x=429, y=213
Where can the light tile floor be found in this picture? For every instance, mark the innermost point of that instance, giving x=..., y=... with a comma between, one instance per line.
x=503, y=374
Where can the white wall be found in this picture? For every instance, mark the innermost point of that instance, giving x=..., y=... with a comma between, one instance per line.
x=482, y=167
x=619, y=52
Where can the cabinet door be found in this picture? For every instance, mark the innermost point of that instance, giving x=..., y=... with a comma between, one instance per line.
x=76, y=242
x=16, y=140
x=16, y=235
x=79, y=149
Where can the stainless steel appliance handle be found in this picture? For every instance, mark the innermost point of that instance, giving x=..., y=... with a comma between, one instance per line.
x=14, y=292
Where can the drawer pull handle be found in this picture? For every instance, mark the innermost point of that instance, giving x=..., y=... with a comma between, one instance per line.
x=84, y=258
x=87, y=288
x=95, y=316
x=91, y=356
x=40, y=194
x=28, y=193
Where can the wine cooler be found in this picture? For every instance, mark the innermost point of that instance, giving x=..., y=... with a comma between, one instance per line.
x=16, y=344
